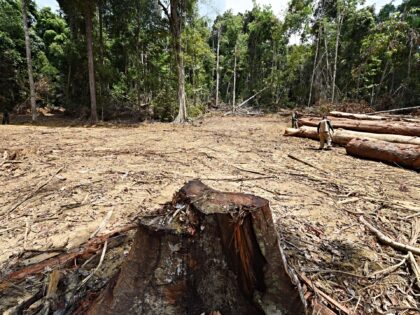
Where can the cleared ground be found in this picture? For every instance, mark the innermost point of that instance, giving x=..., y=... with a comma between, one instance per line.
x=133, y=170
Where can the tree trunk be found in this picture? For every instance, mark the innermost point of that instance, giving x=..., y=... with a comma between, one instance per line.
x=234, y=81
x=357, y=116
x=217, y=67
x=342, y=137
x=337, y=40
x=391, y=127
x=207, y=251
x=29, y=59
x=314, y=69
x=406, y=155
x=91, y=68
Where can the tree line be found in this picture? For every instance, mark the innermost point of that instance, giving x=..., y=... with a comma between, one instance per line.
x=160, y=59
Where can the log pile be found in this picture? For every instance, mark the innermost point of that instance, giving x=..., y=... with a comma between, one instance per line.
x=391, y=139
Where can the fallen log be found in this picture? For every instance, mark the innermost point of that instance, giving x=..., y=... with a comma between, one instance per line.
x=342, y=137
x=389, y=127
x=208, y=251
x=407, y=155
x=356, y=116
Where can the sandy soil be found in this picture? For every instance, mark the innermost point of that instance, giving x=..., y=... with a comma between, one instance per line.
x=132, y=170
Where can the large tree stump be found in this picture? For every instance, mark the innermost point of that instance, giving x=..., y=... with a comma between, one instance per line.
x=206, y=251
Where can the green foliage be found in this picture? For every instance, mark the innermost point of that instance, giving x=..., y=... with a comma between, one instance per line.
x=378, y=55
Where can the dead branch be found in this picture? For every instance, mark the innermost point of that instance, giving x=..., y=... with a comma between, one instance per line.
x=306, y=163
x=388, y=270
x=414, y=267
x=388, y=241
x=325, y=296
x=88, y=249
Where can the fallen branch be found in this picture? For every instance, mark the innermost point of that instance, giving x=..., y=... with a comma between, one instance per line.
x=388, y=241
x=394, y=110
x=306, y=163
x=87, y=250
x=239, y=179
x=338, y=305
x=247, y=100
x=85, y=280
x=388, y=270
x=29, y=196
x=415, y=268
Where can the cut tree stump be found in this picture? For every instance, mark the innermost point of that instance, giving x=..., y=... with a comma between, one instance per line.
x=390, y=127
x=342, y=137
x=207, y=251
x=407, y=155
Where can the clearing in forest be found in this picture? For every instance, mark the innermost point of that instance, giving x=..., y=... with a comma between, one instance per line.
x=127, y=172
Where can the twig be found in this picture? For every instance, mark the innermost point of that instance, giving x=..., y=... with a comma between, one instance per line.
x=388, y=241
x=388, y=270
x=306, y=163
x=324, y=295
x=239, y=179
x=249, y=171
x=33, y=193
x=103, y=223
x=97, y=267
x=414, y=267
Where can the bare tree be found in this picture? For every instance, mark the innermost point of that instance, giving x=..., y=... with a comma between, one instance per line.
x=29, y=58
x=175, y=27
x=340, y=17
x=234, y=79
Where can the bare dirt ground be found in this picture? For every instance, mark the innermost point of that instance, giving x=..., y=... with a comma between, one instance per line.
x=133, y=170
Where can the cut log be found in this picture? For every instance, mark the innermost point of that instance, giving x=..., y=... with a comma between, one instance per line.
x=356, y=116
x=207, y=251
x=390, y=127
x=407, y=155
x=342, y=137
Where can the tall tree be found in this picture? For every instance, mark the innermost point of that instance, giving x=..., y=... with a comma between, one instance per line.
x=29, y=59
x=174, y=15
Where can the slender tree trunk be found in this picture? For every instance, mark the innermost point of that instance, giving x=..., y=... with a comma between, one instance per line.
x=337, y=40
x=101, y=55
x=91, y=68
x=234, y=80
x=217, y=67
x=29, y=59
x=176, y=31
x=314, y=68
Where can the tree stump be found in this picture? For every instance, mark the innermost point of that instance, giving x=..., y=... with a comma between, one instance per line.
x=207, y=251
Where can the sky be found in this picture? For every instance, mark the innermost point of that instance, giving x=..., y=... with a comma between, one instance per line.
x=212, y=7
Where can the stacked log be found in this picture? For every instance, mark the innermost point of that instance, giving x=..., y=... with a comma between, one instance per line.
x=406, y=155
x=372, y=126
x=342, y=136
x=372, y=117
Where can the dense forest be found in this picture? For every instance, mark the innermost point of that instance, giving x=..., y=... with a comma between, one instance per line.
x=162, y=60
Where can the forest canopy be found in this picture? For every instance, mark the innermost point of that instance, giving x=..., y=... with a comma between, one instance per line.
x=146, y=51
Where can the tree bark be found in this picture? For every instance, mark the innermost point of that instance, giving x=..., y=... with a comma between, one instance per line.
x=208, y=251
x=337, y=40
x=217, y=67
x=314, y=68
x=390, y=127
x=357, y=116
x=91, y=67
x=407, y=155
x=342, y=137
x=234, y=81
x=29, y=59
